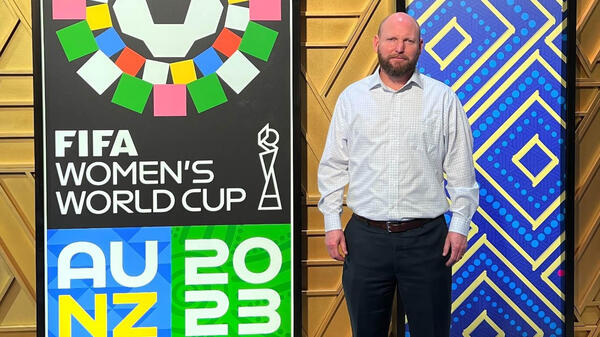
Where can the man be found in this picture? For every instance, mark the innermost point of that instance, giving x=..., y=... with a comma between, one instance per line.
x=392, y=137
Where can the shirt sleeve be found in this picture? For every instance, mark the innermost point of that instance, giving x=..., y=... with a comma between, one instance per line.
x=333, y=169
x=458, y=166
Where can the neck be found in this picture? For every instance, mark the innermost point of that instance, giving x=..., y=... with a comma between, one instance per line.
x=394, y=82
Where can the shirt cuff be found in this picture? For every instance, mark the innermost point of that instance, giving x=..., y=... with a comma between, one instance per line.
x=332, y=222
x=459, y=224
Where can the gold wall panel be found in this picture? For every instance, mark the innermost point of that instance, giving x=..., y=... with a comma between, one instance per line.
x=588, y=26
x=16, y=90
x=333, y=8
x=334, y=31
x=16, y=153
x=587, y=171
x=17, y=56
x=315, y=248
x=10, y=21
x=19, y=189
x=321, y=61
x=17, y=251
x=324, y=277
x=17, y=224
x=16, y=122
x=331, y=310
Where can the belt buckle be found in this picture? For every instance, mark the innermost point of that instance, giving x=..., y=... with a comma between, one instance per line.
x=387, y=224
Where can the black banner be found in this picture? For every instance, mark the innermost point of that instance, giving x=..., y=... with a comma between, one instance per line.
x=164, y=148
x=174, y=159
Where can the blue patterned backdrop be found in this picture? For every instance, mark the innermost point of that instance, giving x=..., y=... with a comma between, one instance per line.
x=506, y=61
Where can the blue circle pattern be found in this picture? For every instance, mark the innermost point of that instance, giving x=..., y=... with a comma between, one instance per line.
x=501, y=161
x=496, y=161
x=497, y=275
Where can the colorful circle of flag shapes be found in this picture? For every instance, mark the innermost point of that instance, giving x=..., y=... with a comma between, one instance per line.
x=226, y=60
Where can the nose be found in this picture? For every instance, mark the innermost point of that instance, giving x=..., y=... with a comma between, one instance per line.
x=400, y=47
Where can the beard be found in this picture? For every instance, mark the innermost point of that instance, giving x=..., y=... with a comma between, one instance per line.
x=398, y=70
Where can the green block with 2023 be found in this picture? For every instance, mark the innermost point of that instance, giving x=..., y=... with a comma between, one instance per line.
x=231, y=280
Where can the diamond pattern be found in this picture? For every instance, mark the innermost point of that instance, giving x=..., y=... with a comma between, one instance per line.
x=511, y=82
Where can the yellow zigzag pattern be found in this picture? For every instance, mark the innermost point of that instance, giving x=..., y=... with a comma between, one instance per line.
x=519, y=62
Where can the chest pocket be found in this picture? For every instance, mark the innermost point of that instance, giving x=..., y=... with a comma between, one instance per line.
x=433, y=134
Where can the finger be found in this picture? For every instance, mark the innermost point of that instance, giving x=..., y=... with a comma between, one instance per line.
x=453, y=256
x=341, y=255
x=463, y=250
x=343, y=246
x=333, y=252
x=446, y=247
x=450, y=262
x=456, y=253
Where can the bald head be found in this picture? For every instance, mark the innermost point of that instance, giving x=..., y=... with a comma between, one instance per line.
x=401, y=18
x=398, y=45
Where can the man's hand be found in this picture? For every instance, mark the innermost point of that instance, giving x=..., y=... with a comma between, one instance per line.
x=334, y=240
x=456, y=245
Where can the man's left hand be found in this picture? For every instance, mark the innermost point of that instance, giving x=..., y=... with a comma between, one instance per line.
x=456, y=245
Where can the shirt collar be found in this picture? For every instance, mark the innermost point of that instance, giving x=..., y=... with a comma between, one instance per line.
x=375, y=80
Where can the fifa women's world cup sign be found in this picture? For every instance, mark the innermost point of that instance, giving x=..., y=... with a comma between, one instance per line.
x=164, y=132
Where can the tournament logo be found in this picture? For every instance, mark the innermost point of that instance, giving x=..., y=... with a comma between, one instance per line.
x=170, y=281
x=241, y=47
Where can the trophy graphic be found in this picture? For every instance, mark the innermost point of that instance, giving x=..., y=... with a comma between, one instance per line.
x=267, y=140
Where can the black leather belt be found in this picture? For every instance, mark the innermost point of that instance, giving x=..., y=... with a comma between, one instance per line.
x=397, y=226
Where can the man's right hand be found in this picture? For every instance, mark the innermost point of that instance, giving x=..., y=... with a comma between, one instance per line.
x=335, y=241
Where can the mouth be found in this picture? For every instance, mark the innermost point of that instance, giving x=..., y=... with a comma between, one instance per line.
x=398, y=57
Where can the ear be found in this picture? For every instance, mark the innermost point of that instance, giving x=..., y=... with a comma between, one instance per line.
x=375, y=42
x=420, y=45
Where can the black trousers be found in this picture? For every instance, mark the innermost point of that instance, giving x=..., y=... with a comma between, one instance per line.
x=411, y=263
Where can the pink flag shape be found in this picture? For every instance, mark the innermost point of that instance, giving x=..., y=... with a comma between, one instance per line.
x=68, y=9
x=265, y=10
x=169, y=100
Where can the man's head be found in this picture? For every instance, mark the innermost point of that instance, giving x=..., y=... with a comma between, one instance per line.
x=398, y=44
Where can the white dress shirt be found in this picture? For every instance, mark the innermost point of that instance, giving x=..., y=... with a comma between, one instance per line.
x=393, y=148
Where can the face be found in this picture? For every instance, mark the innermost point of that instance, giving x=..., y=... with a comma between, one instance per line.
x=398, y=46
